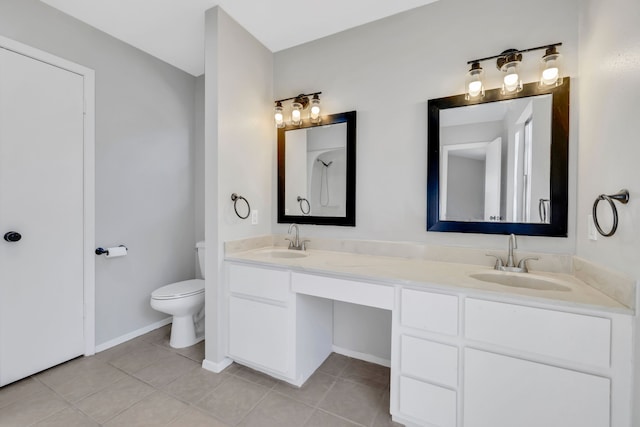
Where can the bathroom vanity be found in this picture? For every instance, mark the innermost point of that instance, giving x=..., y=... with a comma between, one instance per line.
x=464, y=352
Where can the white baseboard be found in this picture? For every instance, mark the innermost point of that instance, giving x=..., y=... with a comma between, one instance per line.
x=361, y=356
x=216, y=367
x=131, y=335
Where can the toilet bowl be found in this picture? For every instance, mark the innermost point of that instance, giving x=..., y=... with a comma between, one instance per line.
x=185, y=302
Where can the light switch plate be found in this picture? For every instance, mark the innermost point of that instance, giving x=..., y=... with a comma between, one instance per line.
x=254, y=217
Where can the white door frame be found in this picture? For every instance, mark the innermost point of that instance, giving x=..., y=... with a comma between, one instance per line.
x=89, y=178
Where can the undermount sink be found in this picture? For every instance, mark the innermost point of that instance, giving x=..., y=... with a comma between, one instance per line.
x=283, y=253
x=521, y=280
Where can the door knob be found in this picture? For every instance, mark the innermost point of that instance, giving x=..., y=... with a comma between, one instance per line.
x=12, y=236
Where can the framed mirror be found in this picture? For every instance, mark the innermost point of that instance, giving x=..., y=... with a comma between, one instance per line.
x=500, y=165
x=317, y=171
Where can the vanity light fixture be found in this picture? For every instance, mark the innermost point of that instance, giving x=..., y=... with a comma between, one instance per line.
x=509, y=62
x=550, y=68
x=314, y=112
x=298, y=105
x=475, y=83
x=279, y=115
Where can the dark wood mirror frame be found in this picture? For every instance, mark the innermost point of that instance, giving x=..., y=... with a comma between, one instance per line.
x=559, y=165
x=350, y=218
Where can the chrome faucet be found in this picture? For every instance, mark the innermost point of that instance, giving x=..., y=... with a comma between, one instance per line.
x=295, y=243
x=510, y=265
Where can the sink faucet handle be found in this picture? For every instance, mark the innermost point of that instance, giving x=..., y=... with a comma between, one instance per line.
x=290, y=241
x=499, y=262
x=303, y=244
x=523, y=263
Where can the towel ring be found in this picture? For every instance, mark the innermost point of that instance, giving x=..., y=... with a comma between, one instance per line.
x=235, y=199
x=303, y=200
x=621, y=196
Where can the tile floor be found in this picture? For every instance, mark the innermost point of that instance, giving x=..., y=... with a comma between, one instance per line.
x=144, y=382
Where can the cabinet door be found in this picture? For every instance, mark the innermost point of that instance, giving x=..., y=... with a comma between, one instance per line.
x=259, y=334
x=429, y=404
x=502, y=391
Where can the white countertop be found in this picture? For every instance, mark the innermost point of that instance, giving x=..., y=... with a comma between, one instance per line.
x=387, y=270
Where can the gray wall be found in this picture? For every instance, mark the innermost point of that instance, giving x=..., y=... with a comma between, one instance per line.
x=387, y=70
x=609, y=129
x=239, y=152
x=144, y=161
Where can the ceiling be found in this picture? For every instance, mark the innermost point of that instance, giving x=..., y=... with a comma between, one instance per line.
x=173, y=30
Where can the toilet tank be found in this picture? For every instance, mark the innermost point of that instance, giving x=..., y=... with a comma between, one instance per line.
x=200, y=249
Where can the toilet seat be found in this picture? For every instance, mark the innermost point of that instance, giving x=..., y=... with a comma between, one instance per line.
x=177, y=290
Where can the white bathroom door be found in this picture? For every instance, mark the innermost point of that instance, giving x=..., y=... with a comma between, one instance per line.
x=492, y=178
x=41, y=198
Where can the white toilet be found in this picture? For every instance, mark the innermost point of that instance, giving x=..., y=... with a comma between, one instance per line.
x=185, y=302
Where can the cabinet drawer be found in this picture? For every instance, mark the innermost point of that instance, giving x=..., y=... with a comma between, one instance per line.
x=259, y=282
x=258, y=333
x=368, y=294
x=568, y=336
x=427, y=403
x=429, y=360
x=502, y=391
x=429, y=311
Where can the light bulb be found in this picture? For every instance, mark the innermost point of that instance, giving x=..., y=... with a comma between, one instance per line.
x=511, y=79
x=296, y=114
x=475, y=88
x=314, y=110
x=550, y=66
x=550, y=76
x=279, y=116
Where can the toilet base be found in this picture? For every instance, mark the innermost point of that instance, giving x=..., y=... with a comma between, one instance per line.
x=183, y=332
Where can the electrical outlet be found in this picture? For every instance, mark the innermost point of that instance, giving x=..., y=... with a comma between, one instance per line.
x=254, y=217
x=592, y=233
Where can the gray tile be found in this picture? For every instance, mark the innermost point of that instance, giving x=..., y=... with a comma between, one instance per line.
x=334, y=364
x=367, y=373
x=32, y=409
x=87, y=380
x=276, y=410
x=60, y=374
x=255, y=377
x=156, y=409
x=193, y=417
x=114, y=399
x=166, y=369
x=195, y=352
x=69, y=417
x=232, y=402
x=121, y=349
x=140, y=357
x=383, y=419
x=232, y=369
x=19, y=391
x=194, y=385
x=324, y=419
x=355, y=402
x=311, y=392
x=158, y=336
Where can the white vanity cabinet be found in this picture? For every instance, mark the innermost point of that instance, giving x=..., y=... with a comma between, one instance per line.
x=425, y=369
x=470, y=362
x=272, y=329
x=536, y=366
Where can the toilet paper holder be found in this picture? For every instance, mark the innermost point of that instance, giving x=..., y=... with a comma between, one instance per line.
x=100, y=251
